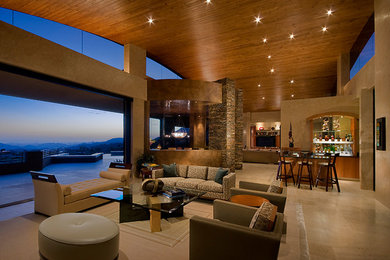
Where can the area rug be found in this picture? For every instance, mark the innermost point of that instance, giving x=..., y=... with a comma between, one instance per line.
x=173, y=231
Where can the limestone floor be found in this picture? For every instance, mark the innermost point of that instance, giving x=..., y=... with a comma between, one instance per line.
x=320, y=225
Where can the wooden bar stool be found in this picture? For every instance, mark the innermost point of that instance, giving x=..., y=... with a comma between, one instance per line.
x=330, y=171
x=305, y=161
x=282, y=165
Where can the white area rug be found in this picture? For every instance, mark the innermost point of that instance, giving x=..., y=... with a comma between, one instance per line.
x=173, y=231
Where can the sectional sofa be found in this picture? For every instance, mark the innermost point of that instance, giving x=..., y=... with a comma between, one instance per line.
x=199, y=178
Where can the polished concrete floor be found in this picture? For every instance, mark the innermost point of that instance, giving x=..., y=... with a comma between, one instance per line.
x=351, y=224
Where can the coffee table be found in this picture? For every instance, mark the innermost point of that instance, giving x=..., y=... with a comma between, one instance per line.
x=248, y=200
x=136, y=205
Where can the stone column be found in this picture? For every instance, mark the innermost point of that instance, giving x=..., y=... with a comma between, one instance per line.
x=343, y=69
x=239, y=127
x=366, y=125
x=135, y=63
x=222, y=124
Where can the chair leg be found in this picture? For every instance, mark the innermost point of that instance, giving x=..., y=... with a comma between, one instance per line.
x=337, y=180
x=292, y=174
x=277, y=174
x=310, y=177
x=318, y=175
x=285, y=173
x=327, y=177
x=299, y=175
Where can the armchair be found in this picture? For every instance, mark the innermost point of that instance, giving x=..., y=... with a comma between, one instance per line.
x=258, y=189
x=228, y=235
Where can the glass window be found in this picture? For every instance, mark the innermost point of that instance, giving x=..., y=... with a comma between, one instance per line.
x=157, y=71
x=6, y=15
x=103, y=50
x=367, y=53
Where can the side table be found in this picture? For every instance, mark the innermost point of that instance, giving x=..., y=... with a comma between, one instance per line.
x=248, y=200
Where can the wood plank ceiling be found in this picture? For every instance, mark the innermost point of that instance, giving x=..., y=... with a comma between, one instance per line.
x=221, y=39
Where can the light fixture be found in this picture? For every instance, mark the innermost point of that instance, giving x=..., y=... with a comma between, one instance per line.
x=208, y=2
x=292, y=95
x=292, y=81
x=324, y=29
x=292, y=36
x=263, y=98
x=258, y=19
x=150, y=20
x=272, y=70
x=180, y=130
x=269, y=56
x=259, y=85
x=329, y=12
x=264, y=40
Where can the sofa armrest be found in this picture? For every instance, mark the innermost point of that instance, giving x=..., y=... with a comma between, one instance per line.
x=66, y=189
x=253, y=186
x=213, y=239
x=157, y=173
x=48, y=197
x=228, y=182
x=278, y=200
x=228, y=212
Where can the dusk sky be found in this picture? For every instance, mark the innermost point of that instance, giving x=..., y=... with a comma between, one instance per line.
x=29, y=121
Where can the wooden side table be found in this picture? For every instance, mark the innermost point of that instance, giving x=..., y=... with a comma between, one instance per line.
x=146, y=173
x=248, y=200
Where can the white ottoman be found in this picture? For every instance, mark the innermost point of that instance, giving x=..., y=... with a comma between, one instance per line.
x=78, y=236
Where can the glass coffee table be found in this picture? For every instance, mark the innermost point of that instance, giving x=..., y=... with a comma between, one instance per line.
x=136, y=204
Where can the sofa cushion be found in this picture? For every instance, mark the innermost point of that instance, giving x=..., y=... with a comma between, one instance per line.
x=82, y=190
x=170, y=170
x=211, y=186
x=264, y=217
x=197, y=172
x=171, y=181
x=181, y=170
x=275, y=187
x=220, y=174
x=113, y=175
x=212, y=172
x=189, y=183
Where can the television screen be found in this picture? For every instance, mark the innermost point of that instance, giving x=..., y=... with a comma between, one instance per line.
x=266, y=141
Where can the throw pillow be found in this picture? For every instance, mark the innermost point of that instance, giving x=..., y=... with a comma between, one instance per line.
x=169, y=170
x=220, y=174
x=264, y=218
x=275, y=187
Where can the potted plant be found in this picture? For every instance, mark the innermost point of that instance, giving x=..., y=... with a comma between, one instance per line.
x=144, y=158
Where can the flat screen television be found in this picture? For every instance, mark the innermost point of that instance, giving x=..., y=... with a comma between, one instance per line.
x=266, y=141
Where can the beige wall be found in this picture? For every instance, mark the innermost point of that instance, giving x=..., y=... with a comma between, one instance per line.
x=22, y=49
x=382, y=96
x=296, y=112
x=250, y=118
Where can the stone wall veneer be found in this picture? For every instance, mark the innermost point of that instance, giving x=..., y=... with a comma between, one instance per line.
x=223, y=125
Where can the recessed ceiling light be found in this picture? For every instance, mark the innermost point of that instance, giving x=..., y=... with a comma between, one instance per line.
x=258, y=19
x=150, y=20
x=292, y=36
x=263, y=98
x=259, y=85
x=272, y=70
x=292, y=95
x=264, y=40
x=329, y=12
x=292, y=81
x=269, y=56
x=324, y=29
x=208, y=2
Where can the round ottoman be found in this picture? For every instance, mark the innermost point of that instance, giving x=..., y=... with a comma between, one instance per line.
x=78, y=236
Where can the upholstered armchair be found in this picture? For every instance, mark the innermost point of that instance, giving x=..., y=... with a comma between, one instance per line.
x=259, y=189
x=228, y=235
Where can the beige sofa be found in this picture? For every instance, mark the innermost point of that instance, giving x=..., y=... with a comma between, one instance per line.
x=52, y=198
x=198, y=178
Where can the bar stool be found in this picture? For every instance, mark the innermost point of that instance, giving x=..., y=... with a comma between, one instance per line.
x=330, y=165
x=305, y=161
x=282, y=164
